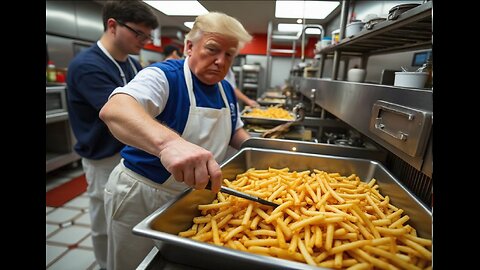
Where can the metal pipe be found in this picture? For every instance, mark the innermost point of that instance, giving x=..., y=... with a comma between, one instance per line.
x=302, y=33
x=343, y=19
x=343, y=23
x=322, y=64
x=269, y=56
x=294, y=46
x=336, y=64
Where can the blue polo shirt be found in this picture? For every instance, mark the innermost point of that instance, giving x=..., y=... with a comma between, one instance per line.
x=91, y=78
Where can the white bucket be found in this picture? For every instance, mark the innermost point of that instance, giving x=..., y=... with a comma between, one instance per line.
x=353, y=28
x=411, y=79
x=356, y=75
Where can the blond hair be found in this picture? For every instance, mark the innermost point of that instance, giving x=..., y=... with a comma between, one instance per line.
x=217, y=22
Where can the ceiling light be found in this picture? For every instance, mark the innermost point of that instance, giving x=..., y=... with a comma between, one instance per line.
x=299, y=20
x=289, y=27
x=179, y=8
x=284, y=37
x=189, y=24
x=304, y=9
x=312, y=31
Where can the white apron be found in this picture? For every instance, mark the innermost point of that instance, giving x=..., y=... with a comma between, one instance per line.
x=130, y=197
x=206, y=127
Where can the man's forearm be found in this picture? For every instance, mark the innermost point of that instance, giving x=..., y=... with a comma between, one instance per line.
x=130, y=124
x=239, y=137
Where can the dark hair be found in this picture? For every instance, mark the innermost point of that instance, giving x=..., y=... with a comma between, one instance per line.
x=129, y=11
x=169, y=49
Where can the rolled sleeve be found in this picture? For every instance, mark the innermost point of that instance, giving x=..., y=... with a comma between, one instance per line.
x=150, y=88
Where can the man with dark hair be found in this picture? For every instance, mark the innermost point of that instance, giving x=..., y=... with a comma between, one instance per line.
x=92, y=76
x=172, y=52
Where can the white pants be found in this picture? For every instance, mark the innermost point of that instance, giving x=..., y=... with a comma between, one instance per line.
x=129, y=199
x=97, y=173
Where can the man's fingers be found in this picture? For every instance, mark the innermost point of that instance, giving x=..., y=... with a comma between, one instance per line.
x=215, y=175
x=189, y=176
x=178, y=175
x=201, y=177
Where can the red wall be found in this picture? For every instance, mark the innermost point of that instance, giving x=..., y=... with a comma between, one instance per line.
x=164, y=41
x=258, y=46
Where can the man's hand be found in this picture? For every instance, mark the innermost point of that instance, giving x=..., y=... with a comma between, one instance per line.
x=191, y=164
x=252, y=103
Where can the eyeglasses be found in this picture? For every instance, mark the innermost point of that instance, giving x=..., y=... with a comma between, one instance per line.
x=138, y=34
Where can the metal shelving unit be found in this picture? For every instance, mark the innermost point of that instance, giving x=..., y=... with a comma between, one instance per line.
x=412, y=30
x=386, y=114
x=59, y=138
x=250, y=80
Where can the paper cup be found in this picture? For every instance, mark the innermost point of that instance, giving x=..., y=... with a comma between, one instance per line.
x=356, y=75
x=411, y=79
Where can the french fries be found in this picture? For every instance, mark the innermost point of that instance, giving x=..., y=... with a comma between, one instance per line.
x=270, y=112
x=323, y=219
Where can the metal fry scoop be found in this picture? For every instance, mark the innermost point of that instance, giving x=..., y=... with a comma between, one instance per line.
x=243, y=195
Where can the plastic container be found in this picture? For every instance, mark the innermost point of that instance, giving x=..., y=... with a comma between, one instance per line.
x=356, y=75
x=51, y=72
x=353, y=28
x=325, y=42
x=411, y=79
x=335, y=36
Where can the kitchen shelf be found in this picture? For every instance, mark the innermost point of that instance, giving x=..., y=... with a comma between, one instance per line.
x=59, y=138
x=249, y=80
x=57, y=160
x=55, y=117
x=411, y=30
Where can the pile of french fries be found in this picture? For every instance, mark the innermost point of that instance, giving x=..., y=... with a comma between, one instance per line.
x=324, y=219
x=270, y=112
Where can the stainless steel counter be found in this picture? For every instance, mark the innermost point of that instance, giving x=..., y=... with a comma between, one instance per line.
x=354, y=103
x=164, y=224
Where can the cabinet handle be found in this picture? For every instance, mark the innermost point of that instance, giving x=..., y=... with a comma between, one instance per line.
x=399, y=136
x=381, y=126
x=313, y=94
x=409, y=116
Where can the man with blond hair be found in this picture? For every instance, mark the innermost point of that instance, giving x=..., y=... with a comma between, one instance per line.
x=177, y=119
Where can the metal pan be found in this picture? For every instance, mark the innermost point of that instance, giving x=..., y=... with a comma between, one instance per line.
x=264, y=120
x=396, y=11
x=164, y=224
x=269, y=101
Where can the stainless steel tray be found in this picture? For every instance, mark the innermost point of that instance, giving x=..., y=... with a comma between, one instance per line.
x=264, y=120
x=273, y=94
x=272, y=98
x=271, y=101
x=368, y=152
x=164, y=224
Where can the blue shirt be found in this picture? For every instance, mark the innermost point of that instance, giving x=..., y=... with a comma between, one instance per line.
x=91, y=78
x=175, y=115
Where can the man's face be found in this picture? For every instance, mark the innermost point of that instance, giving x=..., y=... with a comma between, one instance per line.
x=211, y=57
x=132, y=37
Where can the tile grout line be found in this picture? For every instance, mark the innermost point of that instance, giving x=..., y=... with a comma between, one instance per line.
x=75, y=172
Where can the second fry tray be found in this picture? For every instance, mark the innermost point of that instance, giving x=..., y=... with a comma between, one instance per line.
x=264, y=120
x=164, y=224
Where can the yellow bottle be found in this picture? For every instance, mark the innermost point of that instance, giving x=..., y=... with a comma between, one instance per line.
x=51, y=72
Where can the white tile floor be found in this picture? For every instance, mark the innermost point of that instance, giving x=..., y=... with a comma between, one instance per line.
x=68, y=241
